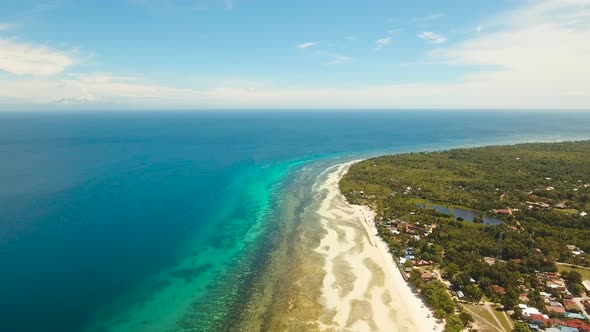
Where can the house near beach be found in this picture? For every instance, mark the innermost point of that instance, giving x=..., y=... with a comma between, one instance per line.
x=555, y=309
x=541, y=205
x=575, y=315
x=498, y=289
x=561, y=206
x=578, y=324
x=566, y=329
x=423, y=263
x=571, y=306
x=427, y=275
x=490, y=260
x=507, y=211
x=537, y=319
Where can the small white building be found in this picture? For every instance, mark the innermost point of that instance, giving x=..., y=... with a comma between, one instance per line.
x=545, y=295
x=531, y=311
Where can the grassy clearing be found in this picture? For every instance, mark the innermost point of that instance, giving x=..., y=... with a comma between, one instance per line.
x=585, y=273
x=503, y=319
x=569, y=211
x=483, y=318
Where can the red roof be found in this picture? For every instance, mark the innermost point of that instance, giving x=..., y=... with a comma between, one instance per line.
x=537, y=317
x=559, y=310
x=423, y=263
x=571, y=305
x=425, y=274
x=498, y=289
x=578, y=324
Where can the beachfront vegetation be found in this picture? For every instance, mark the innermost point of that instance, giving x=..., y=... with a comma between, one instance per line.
x=436, y=296
x=539, y=191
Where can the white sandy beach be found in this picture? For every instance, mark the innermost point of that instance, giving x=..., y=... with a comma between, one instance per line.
x=363, y=290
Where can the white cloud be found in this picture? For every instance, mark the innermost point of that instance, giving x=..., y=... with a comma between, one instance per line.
x=428, y=18
x=561, y=12
x=534, y=54
x=575, y=93
x=90, y=91
x=79, y=89
x=306, y=45
x=28, y=59
x=432, y=37
x=184, y=5
x=382, y=43
x=311, y=50
x=5, y=26
x=478, y=28
x=339, y=59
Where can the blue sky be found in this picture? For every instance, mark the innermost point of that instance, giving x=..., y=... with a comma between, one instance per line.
x=192, y=54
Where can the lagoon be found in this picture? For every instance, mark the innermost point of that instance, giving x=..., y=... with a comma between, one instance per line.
x=466, y=215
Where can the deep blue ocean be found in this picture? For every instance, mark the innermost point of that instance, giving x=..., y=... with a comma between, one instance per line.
x=113, y=220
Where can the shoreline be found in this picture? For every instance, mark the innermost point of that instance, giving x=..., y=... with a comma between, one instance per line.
x=363, y=289
x=420, y=311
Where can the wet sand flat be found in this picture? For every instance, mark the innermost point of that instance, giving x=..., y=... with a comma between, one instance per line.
x=362, y=289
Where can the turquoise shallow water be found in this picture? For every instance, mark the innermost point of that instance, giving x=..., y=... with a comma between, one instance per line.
x=163, y=221
x=202, y=287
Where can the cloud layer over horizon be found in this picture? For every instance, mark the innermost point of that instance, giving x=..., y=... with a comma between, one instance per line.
x=531, y=56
